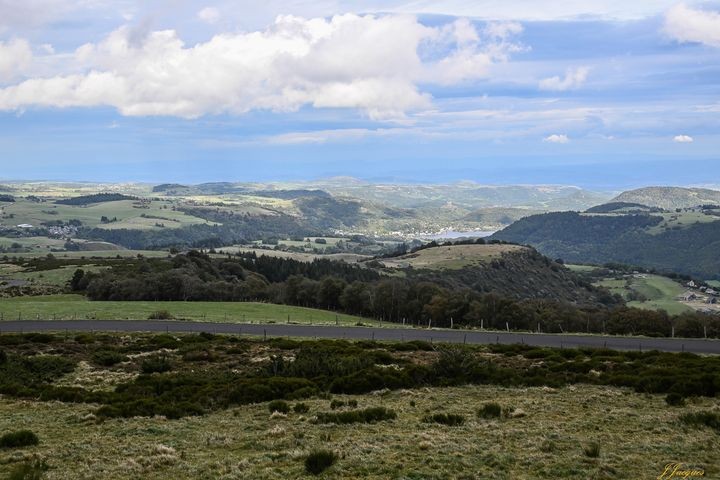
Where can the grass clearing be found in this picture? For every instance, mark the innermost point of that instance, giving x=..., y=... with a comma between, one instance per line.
x=659, y=293
x=637, y=435
x=68, y=307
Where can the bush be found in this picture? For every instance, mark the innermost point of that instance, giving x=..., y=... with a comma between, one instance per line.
x=28, y=470
x=301, y=408
x=108, y=358
x=700, y=419
x=156, y=364
x=368, y=415
x=449, y=419
x=161, y=315
x=21, y=438
x=490, y=410
x=85, y=338
x=319, y=460
x=675, y=400
x=592, y=450
x=335, y=404
x=279, y=406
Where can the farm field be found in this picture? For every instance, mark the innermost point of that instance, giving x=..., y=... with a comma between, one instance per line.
x=302, y=257
x=452, y=257
x=637, y=436
x=129, y=214
x=66, y=307
x=661, y=293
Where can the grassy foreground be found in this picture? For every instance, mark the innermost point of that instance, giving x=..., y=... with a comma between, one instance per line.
x=637, y=435
x=68, y=307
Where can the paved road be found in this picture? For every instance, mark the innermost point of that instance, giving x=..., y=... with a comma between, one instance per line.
x=358, y=333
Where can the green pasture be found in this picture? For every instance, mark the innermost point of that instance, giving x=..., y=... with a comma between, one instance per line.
x=661, y=292
x=69, y=307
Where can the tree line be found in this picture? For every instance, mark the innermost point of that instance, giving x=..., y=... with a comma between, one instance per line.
x=356, y=290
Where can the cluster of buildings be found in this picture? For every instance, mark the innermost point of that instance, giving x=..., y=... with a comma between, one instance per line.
x=701, y=292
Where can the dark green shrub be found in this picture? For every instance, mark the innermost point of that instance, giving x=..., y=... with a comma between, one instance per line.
x=301, y=408
x=592, y=450
x=368, y=415
x=21, y=438
x=335, y=404
x=164, y=341
x=32, y=470
x=490, y=410
x=319, y=460
x=449, y=419
x=3, y=356
x=700, y=419
x=85, y=338
x=203, y=355
x=161, y=315
x=279, y=406
x=675, y=400
x=108, y=358
x=156, y=364
x=352, y=403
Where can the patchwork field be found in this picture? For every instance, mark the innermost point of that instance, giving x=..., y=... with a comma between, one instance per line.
x=128, y=214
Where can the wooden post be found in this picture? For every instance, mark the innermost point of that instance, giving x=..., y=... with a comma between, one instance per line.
x=507, y=326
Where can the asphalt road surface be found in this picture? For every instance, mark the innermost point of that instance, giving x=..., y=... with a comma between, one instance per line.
x=370, y=333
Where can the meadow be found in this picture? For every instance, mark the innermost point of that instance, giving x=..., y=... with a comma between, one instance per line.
x=535, y=426
x=77, y=307
x=660, y=293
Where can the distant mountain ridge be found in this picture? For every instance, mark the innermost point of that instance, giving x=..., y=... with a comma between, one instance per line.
x=670, y=198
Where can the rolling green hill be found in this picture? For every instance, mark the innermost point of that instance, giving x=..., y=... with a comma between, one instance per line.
x=670, y=198
x=684, y=243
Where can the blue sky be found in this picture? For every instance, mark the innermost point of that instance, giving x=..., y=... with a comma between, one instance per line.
x=604, y=96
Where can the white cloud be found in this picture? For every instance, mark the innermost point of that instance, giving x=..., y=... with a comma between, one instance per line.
x=556, y=138
x=683, y=139
x=15, y=56
x=574, y=78
x=209, y=15
x=369, y=63
x=686, y=24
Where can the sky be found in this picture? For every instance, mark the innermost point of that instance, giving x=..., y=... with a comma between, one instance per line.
x=603, y=94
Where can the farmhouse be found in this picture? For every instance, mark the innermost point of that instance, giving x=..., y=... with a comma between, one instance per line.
x=687, y=296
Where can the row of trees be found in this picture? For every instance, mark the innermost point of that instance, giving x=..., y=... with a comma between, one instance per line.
x=355, y=290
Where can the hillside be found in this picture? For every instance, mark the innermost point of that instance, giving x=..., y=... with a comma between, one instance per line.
x=670, y=198
x=508, y=270
x=685, y=243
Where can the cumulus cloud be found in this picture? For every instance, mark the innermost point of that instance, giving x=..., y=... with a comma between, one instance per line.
x=686, y=24
x=209, y=15
x=574, y=78
x=15, y=56
x=370, y=63
x=556, y=138
x=683, y=139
